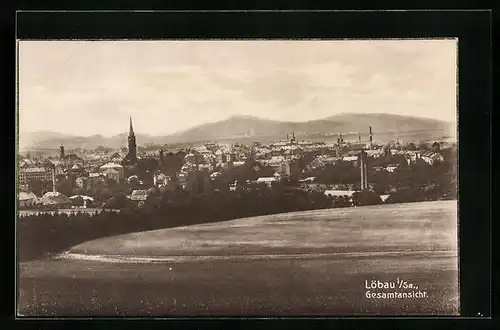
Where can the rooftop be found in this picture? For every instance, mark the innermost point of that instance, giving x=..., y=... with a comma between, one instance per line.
x=111, y=165
x=24, y=196
x=35, y=169
x=266, y=179
x=339, y=192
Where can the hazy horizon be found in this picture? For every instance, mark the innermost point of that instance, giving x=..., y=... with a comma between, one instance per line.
x=125, y=132
x=85, y=88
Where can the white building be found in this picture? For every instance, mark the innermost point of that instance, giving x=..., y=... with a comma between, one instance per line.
x=27, y=199
x=161, y=180
x=55, y=198
x=113, y=166
x=391, y=168
x=268, y=180
x=339, y=193
x=431, y=157
x=138, y=195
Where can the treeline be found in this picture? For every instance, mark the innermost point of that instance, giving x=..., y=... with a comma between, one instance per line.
x=43, y=233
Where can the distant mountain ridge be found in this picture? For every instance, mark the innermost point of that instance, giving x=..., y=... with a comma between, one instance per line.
x=248, y=127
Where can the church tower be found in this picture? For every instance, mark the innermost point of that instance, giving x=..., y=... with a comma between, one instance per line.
x=61, y=152
x=132, y=146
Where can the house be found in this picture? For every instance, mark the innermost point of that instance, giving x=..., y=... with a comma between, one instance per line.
x=182, y=176
x=238, y=163
x=133, y=178
x=268, y=180
x=190, y=158
x=376, y=153
x=27, y=199
x=112, y=174
x=115, y=167
x=87, y=200
x=76, y=169
x=215, y=175
x=350, y=159
x=81, y=182
x=26, y=175
x=71, y=159
x=96, y=179
x=391, y=168
x=55, y=198
x=412, y=156
x=138, y=195
x=431, y=157
x=161, y=180
x=116, y=157
x=339, y=193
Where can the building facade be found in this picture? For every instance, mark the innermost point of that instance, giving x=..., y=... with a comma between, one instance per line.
x=26, y=175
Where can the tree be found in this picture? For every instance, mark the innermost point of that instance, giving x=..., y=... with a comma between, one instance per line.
x=423, y=146
x=65, y=186
x=265, y=171
x=362, y=198
x=436, y=147
x=119, y=202
x=77, y=201
x=412, y=147
x=38, y=187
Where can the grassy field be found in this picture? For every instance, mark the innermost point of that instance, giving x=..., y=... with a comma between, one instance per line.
x=308, y=263
x=397, y=227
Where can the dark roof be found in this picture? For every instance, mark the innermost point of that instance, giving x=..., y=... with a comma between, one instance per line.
x=72, y=157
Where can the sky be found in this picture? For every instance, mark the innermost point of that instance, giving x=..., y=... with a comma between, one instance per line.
x=92, y=87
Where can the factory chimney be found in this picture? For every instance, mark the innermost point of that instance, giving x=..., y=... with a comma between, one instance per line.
x=197, y=161
x=53, y=178
x=371, y=138
x=363, y=170
x=61, y=152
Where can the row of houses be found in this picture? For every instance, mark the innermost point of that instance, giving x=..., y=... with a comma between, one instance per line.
x=51, y=198
x=411, y=156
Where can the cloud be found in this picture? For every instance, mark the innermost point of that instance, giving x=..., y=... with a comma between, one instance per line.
x=92, y=87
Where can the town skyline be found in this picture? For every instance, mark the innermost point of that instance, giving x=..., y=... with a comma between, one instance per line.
x=170, y=86
x=242, y=116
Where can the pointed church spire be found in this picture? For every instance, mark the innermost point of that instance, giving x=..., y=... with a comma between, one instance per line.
x=131, y=130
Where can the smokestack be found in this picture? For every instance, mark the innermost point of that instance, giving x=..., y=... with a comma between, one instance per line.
x=61, y=152
x=197, y=162
x=359, y=137
x=363, y=170
x=371, y=137
x=54, y=178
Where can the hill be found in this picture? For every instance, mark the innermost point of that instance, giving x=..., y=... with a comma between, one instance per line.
x=238, y=127
x=387, y=123
x=32, y=139
x=50, y=140
x=258, y=129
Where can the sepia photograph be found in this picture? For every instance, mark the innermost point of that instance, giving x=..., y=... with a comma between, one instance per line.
x=182, y=178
